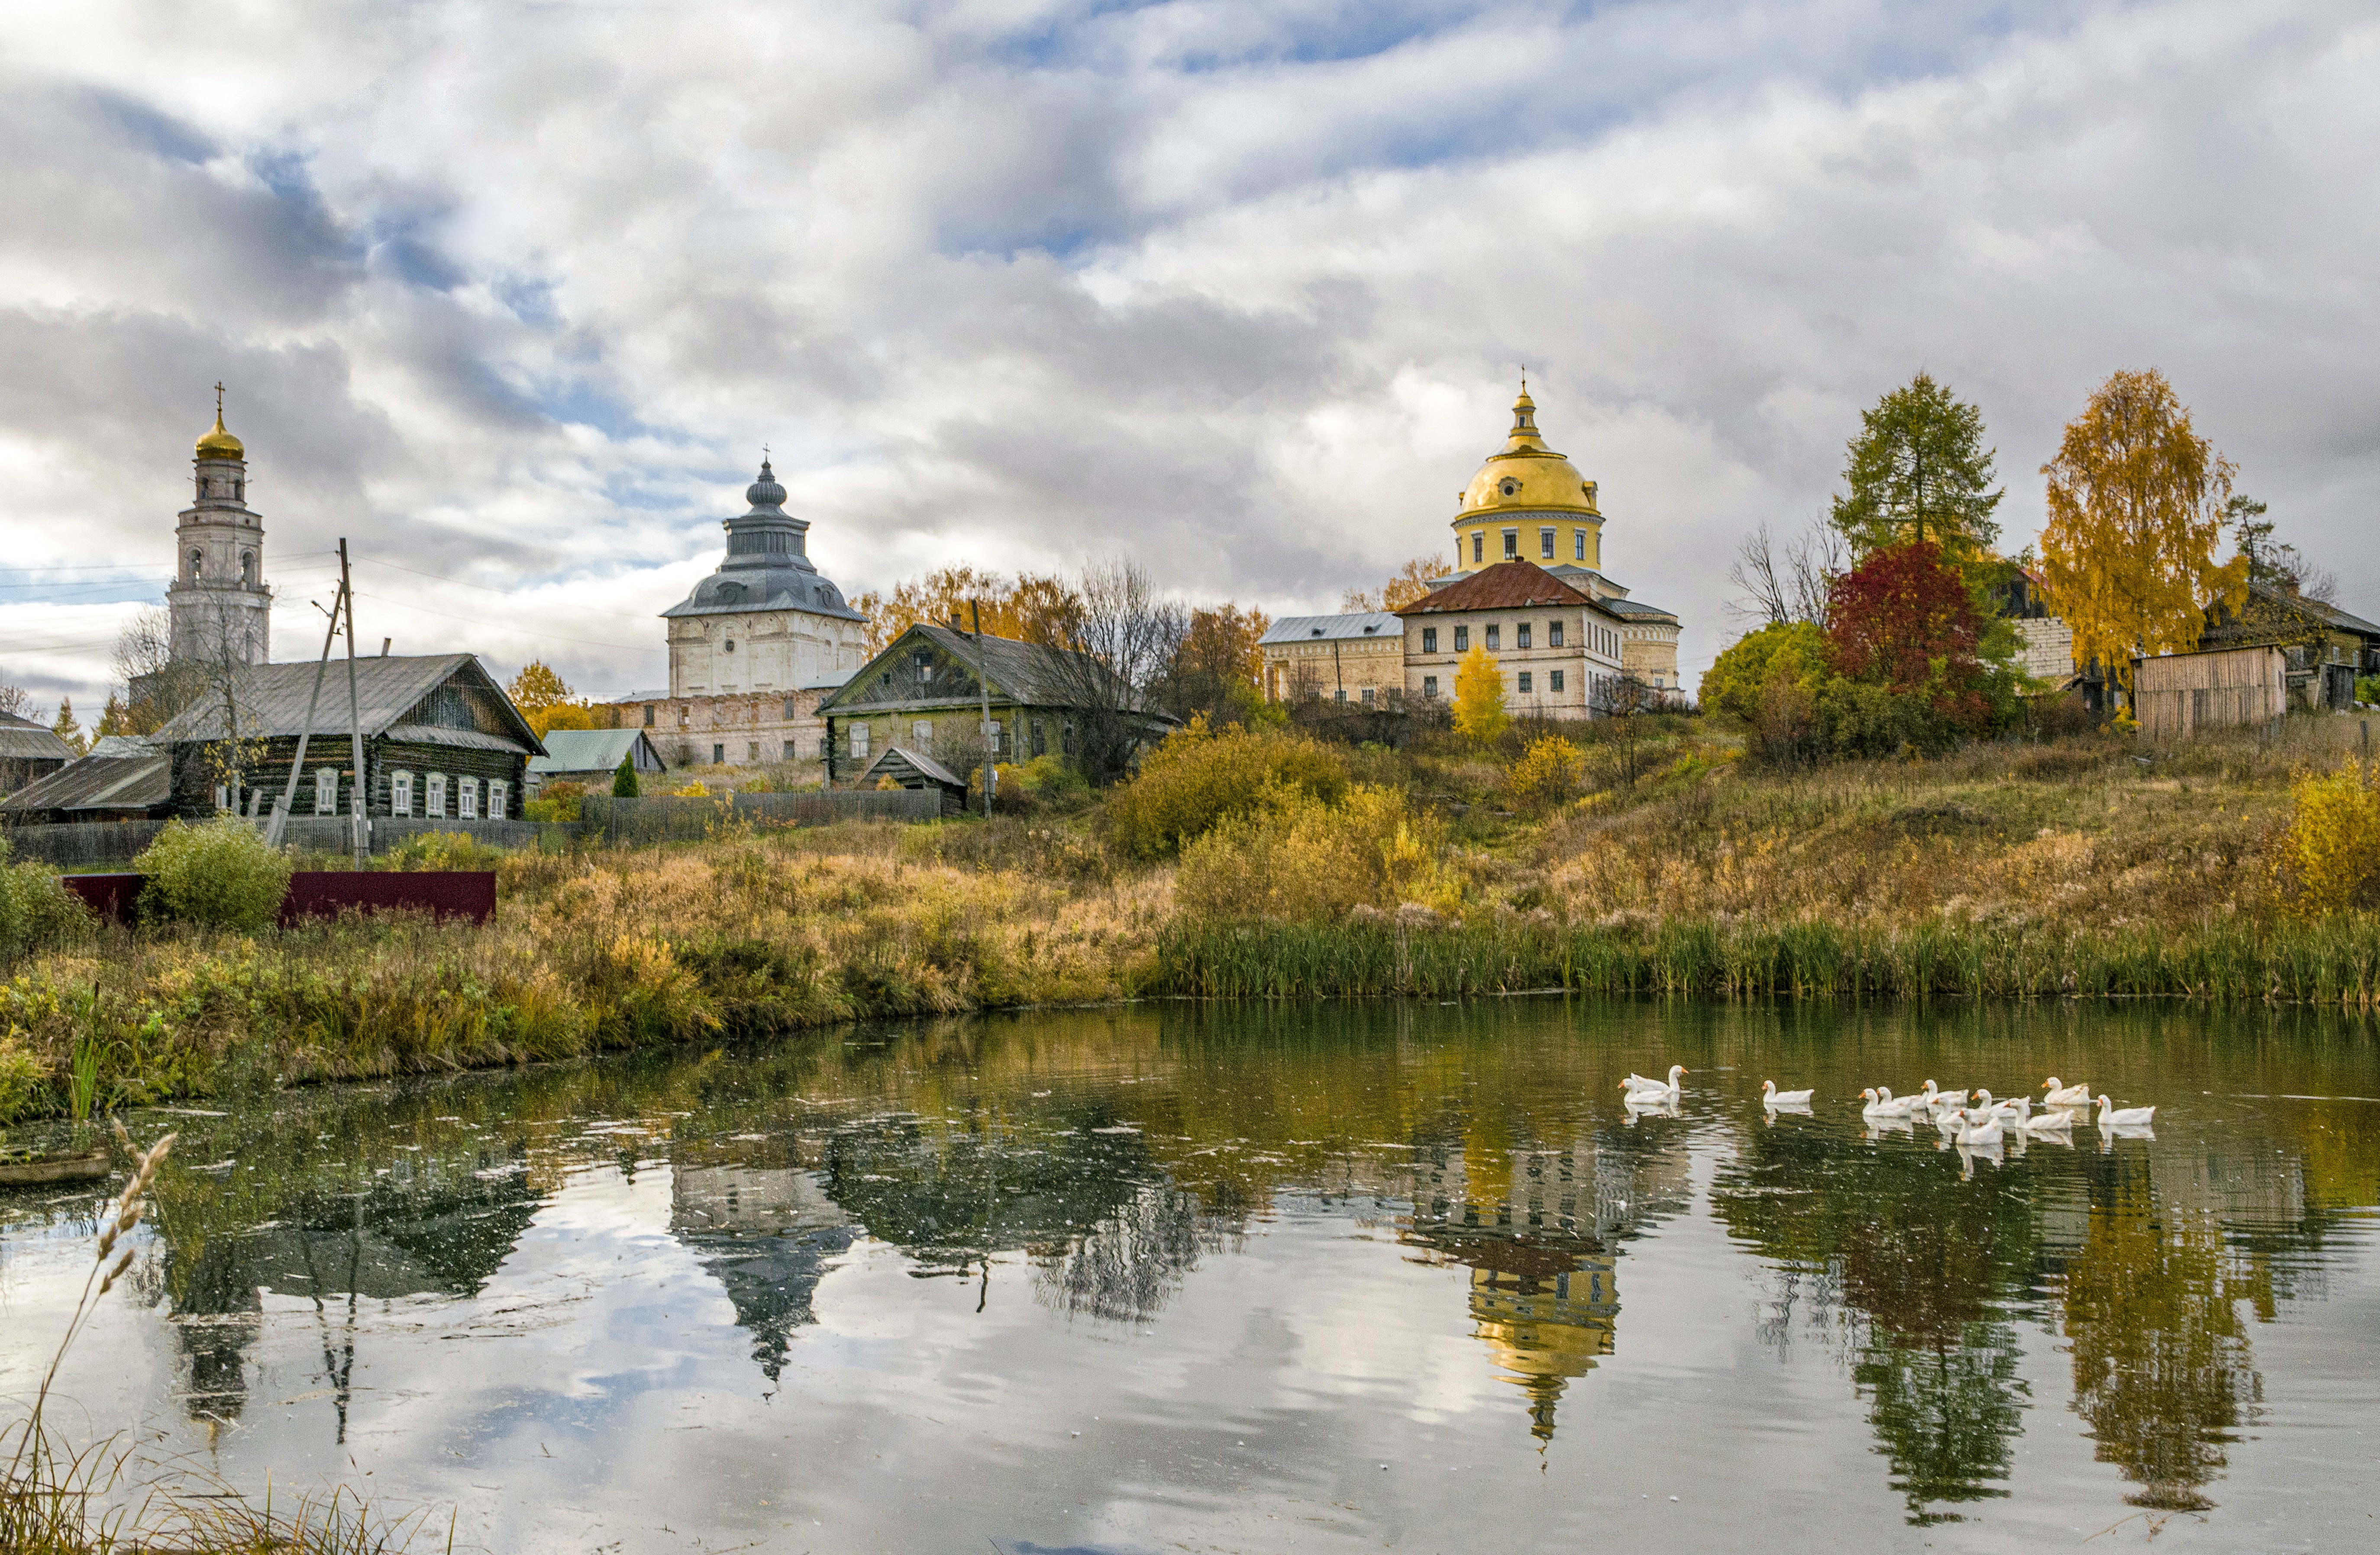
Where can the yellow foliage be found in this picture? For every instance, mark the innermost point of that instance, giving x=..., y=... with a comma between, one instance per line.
x=2136, y=505
x=1198, y=777
x=694, y=790
x=1299, y=859
x=537, y=687
x=1551, y=769
x=565, y=715
x=1479, y=697
x=2331, y=852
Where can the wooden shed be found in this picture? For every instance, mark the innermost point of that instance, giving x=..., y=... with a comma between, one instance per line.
x=2174, y=695
x=912, y=768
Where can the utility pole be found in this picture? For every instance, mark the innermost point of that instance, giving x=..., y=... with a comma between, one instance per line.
x=991, y=739
x=278, y=827
x=356, y=791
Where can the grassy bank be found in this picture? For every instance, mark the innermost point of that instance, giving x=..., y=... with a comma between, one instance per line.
x=2080, y=869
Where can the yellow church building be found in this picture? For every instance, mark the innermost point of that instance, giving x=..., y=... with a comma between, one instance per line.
x=1528, y=503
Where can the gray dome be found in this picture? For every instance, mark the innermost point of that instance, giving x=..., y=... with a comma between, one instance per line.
x=767, y=565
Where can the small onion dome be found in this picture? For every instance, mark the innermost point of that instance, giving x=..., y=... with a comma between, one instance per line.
x=217, y=444
x=765, y=491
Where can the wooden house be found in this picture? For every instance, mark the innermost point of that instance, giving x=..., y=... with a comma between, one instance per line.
x=137, y=787
x=593, y=756
x=28, y=751
x=927, y=692
x=2328, y=649
x=439, y=739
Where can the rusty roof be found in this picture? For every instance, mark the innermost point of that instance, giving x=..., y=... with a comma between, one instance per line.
x=1506, y=586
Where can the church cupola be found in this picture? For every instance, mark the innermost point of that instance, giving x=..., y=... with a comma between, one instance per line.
x=768, y=536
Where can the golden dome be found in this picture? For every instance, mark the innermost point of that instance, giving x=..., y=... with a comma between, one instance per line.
x=1525, y=475
x=217, y=444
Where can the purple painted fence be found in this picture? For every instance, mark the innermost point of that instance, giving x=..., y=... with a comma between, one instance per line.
x=325, y=892
x=444, y=892
x=107, y=896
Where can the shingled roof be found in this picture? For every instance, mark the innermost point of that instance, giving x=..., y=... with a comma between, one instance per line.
x=23, y=738
x=1505, y=586
x=272, y=700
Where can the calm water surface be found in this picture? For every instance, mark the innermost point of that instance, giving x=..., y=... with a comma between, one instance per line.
x=1377, y=1277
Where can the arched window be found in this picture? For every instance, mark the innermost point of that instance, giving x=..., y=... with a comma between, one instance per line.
x=198, y=563
x=247, y=566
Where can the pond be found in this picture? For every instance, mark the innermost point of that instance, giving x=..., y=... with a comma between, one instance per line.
x=1371, y=1276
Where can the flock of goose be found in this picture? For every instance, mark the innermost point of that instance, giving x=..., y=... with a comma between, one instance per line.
x=1971, y=1119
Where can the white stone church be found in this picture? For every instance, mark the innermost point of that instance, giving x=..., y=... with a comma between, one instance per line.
x=754, y=649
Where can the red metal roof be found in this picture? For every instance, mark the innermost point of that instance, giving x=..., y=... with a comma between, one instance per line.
x=1505, y=586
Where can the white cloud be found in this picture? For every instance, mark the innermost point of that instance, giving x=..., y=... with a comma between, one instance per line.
x=513, y=296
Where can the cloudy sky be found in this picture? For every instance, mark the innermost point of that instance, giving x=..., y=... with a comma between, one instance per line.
x=512, y=296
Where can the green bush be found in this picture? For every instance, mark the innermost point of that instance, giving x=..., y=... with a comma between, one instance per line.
x=220, y=872
x=20, y=1079
x=1734, y=683
x=440, y=850
x=623, y=782
x=1199, y=778
x=2368, y=689
x=35, y=910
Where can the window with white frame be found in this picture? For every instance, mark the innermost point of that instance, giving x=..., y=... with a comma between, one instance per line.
x=1553, y=634
x=466, y=798
x=400, y=793
x=1512, y=544
x=859, y=742
x=1462, y=639
x=1495, y=639
x=1546, y=543
x=1554, y=679
x=326, y=790
x=433, y=801
x=1430, y=639
x=1429, y=687
x=1578, y=545
x=1525, y=683
x=1369, y=699
x=1521, y=635
x=499, y=794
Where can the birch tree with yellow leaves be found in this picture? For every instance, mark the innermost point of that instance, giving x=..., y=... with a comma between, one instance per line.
x=2136, y=505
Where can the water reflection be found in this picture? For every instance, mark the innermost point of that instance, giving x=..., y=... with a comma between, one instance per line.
x=2163, y=1370
x=1112, y=1158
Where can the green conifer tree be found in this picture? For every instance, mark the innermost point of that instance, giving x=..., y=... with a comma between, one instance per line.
x=624, y=780
x=1919, y=470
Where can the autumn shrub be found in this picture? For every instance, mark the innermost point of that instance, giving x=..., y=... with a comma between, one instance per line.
x=440, y=850
x=36, y=912
x=1550, y=771
x=1738, y=677
x=219, y=872
x=2330, y=854
x=556, y=801
x=1298, y=859
x=2367, y=689
x=21, y=1078
x=1199, y=778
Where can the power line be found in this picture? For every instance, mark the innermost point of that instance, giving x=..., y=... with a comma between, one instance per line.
x=507, y=593
x=478, y=621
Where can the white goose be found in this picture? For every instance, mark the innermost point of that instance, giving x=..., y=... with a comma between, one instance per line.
x=1971, y=1133
x=2064, y=1095
x=2113, y=1116
x=1772, y=1098
x=1934, y=1098
x=2048, y=1122
x=1881, y=1104
x=1637, y=1084
x=2005, y=1110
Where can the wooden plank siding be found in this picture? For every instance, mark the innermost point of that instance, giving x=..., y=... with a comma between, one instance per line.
x=194, y=777
x=2177, y=695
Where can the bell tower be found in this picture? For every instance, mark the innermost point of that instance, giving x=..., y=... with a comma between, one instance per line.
x=221, y=610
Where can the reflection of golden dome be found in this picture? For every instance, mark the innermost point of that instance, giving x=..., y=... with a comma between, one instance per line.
x=1525, y=475
x=220, y=444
